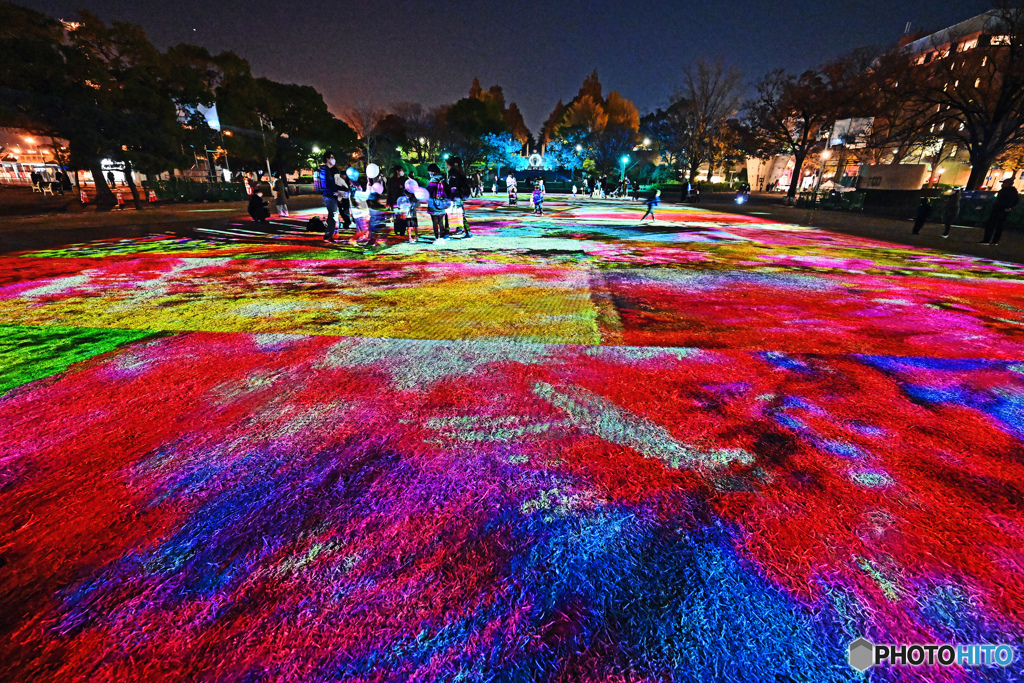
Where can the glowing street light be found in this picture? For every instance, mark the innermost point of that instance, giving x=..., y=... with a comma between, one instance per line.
x=647, y=142
x=579, y=148
x=30, y=140
x=624, y=160
x=316, y=150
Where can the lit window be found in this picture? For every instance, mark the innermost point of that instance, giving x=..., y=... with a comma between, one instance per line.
x=956, y=84
x=984, y=60
x=1000, y=40
x=968, y=45
x=977, y=82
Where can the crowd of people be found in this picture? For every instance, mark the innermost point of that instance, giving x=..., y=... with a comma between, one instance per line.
x=370, y=205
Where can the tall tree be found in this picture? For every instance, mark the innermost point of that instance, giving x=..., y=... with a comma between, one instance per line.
x=977, y=92
x=793, y=112
x=712, y=94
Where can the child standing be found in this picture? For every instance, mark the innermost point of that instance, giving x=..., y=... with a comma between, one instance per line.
x=538, y=200
x=375, y=202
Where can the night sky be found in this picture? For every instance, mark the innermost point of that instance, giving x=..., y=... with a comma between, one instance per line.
x=375, y=53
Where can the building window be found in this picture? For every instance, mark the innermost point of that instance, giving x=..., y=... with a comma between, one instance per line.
x=968, y=45
x=977, y=82
x=984, y=60
x=1000, y=40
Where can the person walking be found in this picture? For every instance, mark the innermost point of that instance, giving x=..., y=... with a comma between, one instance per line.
x=924, y=212
x=1006, y=199
x=538, y=200
x=438, y=203
x=281, y=197
x=110, y=179
x=327, y=176
x=652, y=202
x=459, y=190
x=951, y=210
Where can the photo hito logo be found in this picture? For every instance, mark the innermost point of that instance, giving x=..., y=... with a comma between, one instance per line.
x=862, y=654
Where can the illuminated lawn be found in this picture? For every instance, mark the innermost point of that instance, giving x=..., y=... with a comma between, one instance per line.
x=568, y=449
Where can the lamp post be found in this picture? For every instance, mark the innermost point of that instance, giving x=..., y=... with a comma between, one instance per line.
x=624, y=160
x=821, y=174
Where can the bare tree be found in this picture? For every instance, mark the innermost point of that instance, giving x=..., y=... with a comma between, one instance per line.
x=712, y=94
x=976, y=91
x=794, y=113
x=364, y=120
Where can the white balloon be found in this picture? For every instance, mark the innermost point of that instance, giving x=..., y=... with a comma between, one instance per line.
x=372, y=171
x=378, y=188
x=411, y=185
x=422, y=194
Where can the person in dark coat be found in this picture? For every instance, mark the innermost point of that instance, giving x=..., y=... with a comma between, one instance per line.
x=395, y=190
x=281, y=197
x=459, y=190
x=1005, y=201
x=327, y=176
x=951, y=210
x=924, y=212
x=257, y=208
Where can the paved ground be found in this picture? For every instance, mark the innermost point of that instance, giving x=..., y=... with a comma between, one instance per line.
x=571, y=448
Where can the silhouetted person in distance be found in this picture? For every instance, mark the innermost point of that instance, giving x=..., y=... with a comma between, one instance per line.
x=1005, y=201
x=951, y=210
x=924, y=212
x=110, y=179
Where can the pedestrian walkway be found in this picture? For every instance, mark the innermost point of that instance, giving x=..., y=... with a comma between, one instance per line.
x=573, y=447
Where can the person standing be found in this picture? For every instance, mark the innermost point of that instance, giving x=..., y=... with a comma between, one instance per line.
x=538, y=199
x=438, y=203
x=1005, y=201
x=951, y=210
x=459, y=190
x=110, y=179
x=652, y=202
x=327, y=175
x=281, y=197
x=396, y=190
x=513, y=190
x=924, y=212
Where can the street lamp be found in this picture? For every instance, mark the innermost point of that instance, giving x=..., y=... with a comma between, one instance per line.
x=647, y=142
x=821, y=174
x=624, y=160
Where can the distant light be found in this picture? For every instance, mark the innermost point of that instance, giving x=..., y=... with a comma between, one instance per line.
x=579, y=148
x=647, y=141
x=826, y=154
x=228, y=133
x=625, y=159
x=316, y=150
x=30, y=141
x=445, y=156
x=422, y=140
